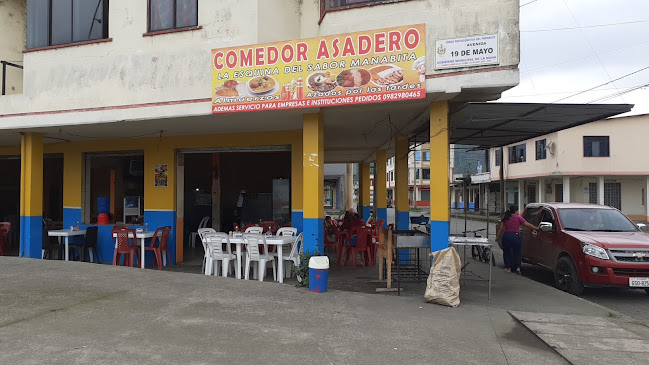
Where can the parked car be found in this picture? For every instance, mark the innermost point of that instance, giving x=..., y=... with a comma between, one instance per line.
x=586, y=245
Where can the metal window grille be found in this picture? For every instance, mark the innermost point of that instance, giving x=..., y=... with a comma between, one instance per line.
x=613, y=194
x=592, y=193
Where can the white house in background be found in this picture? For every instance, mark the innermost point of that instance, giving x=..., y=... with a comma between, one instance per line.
x=418, y=176
x=600, y=162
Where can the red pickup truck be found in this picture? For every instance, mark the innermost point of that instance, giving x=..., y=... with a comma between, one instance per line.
x=586, y=245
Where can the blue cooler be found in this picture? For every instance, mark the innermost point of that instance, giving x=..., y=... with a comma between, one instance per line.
x=318, y=274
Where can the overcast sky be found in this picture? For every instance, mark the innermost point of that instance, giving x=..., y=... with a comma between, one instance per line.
x=557, y=64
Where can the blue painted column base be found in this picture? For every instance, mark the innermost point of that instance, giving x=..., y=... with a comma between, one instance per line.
x=31, y=237
x=382, y=214
x=297, y=220
x=366, y=211
x=403, y=220
x=439, y=232
x=313, y=235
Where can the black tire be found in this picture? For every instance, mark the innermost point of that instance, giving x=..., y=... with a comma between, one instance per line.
x=475, y=253
x=566, y=278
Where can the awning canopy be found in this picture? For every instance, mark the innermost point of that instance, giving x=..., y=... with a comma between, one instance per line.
x=497, y=124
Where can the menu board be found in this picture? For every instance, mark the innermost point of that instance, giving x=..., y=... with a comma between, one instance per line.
x=356, y=68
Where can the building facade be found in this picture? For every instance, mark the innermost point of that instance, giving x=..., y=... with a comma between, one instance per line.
x=593, y=163
x=159, y=113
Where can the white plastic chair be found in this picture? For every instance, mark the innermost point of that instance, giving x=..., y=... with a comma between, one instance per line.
x=217, y=258
x=292, y=254
x=202, y=224
x=254, y=229
x=201, y=234
x=252, y=242
x=287, y=231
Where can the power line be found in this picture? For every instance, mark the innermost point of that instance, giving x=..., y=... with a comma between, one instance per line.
x=528, y=3
x=606, y=83
x=585, y=57
x=590, y=44
x=584, y=27
x=617, y=94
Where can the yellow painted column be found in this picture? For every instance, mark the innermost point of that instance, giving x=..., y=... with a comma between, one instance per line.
x=364, y=190
x=313, y=182
x=160, y=192
x=297, y=189
x=401, y=151
x=380, y=186
x=439, y=175
x=72, y=187
x=31, y=195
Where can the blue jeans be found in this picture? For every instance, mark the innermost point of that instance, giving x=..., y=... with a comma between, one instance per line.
x=512, y=250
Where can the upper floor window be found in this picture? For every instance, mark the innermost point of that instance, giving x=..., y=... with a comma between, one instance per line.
x=56, y=22
x=417, y=156
x=541, y=153
x=596, y=146
x=517, y=153
x=499, y=157
x=427, y=156
x=172, y=14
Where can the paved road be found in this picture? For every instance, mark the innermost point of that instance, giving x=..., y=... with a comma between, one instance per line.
x=634, y=303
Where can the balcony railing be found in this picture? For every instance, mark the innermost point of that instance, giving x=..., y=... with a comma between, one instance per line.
x=6, y=64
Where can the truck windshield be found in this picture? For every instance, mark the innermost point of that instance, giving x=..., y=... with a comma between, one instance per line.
x=596, y=220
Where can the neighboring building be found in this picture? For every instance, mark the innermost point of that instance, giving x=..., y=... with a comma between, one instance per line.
x=472, y=163
x=162, y=106
x=418, y=177
x=597, y=163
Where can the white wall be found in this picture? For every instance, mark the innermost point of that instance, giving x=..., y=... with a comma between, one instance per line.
x=12, y=41
x=627, y=136
x=133, y=69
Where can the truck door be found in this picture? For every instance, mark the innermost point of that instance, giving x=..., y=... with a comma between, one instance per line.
x=546, y=242
x=529, y=250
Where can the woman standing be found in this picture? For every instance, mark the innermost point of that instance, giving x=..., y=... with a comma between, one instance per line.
x=509, y=232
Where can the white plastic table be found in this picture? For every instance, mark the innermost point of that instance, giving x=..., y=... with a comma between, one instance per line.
x=271, y=241
x=474, y=241
x=141, y=236
x=66, y=233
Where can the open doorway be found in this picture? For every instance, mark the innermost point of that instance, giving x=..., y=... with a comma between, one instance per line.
x=239, y=187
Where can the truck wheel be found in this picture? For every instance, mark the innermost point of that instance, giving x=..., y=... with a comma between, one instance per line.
x=566, y=278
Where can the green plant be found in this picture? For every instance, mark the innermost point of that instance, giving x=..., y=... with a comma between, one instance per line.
x=301, y=271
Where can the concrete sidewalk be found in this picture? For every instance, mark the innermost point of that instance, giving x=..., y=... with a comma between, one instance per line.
x=58, y=312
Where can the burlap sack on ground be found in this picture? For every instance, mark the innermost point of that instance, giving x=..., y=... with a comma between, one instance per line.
x=443, y=285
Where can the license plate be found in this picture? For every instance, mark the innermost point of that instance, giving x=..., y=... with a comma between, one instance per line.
x=639, y=282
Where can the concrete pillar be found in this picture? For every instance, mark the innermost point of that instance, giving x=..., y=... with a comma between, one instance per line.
x=349, y=186
x=401, y=187
x=600, y=190
x=566, y=189
x=380, y=186
x=31, y=195
x=72, y=187
x=313, y=182
x=521, y=194
x=297, y=162
x=160, y=199
x=439, y=175
x=540, y=192
x=364, y=191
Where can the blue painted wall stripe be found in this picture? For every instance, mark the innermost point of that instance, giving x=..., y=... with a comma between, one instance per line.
x=297, y=220
x=382, y=214
x=31, y=237
x=314, y=235
x=366, y=212
x=403, y=220
x=439, y=232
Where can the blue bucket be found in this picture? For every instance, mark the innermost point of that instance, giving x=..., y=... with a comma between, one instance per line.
x=318, y=274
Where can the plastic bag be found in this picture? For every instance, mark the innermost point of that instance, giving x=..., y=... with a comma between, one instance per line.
x=443, y=284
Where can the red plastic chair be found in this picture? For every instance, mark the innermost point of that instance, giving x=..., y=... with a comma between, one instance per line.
x=161, y=236
x=335, y=243
x=270, y=225
x=125, y=246
x=363, y=239
x=5, y=228
x=374, y=246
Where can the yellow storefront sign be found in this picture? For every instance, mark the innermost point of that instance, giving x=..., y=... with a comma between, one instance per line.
x=356, y=68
